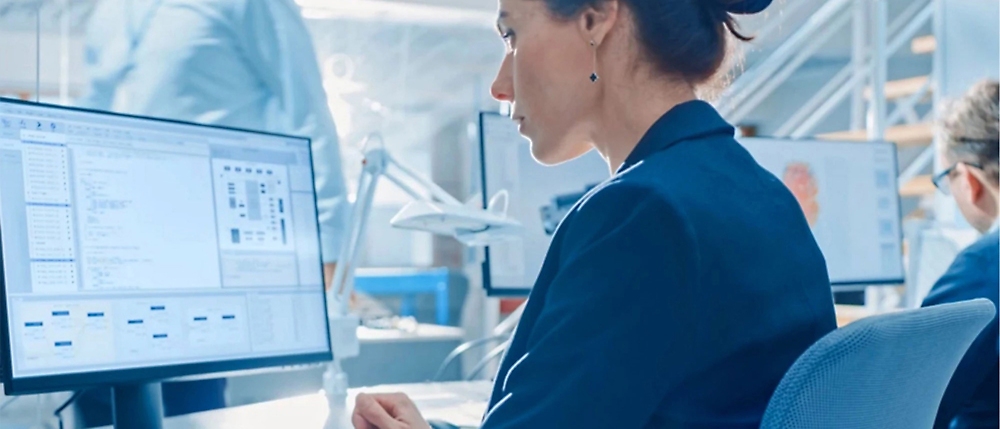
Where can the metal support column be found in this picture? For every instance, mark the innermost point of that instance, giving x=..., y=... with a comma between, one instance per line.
x=877, y=107
x=858, y=59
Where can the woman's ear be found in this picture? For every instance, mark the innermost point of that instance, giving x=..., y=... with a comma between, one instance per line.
x=596, y=21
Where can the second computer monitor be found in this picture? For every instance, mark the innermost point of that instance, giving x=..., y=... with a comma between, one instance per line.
x=539, y=198
x=848, y=192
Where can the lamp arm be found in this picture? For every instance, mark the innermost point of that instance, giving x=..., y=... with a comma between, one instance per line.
x=340, y=287
x=425, y=183
x=378, y=163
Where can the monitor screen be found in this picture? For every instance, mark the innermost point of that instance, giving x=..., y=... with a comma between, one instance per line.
x=849, y=194
x=135, y=248
x=539, y=197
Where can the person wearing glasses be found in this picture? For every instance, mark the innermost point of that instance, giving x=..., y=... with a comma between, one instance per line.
x=677, y=293
x=969, y=146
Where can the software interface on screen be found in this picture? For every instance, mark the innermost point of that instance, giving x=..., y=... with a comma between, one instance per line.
x=539, y=197
x=849, y=196
x=134, y=243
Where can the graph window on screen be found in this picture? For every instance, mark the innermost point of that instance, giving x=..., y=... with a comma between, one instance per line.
x=134, y=243
x=539, y=197
x=848, y=194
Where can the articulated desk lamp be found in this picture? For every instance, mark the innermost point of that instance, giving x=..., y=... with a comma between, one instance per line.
x=433, y=210
x=438, y=213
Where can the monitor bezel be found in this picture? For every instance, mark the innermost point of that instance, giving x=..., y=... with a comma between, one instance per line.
x=155, y=373
x=491, y=290
x=854, y=285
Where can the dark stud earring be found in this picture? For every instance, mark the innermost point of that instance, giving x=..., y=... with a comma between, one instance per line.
x=593, y=75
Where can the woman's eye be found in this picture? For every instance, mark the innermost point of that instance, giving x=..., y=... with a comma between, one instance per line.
x=508, y=39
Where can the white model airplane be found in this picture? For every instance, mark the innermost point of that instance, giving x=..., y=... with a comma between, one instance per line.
x=438, y=213
x=468, y=223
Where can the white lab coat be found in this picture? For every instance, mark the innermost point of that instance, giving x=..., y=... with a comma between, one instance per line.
x=239, y=63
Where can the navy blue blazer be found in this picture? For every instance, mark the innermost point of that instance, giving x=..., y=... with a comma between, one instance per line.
x=674, y=295
x=971, y=399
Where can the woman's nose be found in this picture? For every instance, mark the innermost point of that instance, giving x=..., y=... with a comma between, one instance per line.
x=503, y=85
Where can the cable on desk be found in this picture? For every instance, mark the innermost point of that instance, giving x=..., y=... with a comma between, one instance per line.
x=464, y=347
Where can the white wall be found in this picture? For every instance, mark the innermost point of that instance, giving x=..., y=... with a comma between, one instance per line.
x=17, y=63
x=970, y=47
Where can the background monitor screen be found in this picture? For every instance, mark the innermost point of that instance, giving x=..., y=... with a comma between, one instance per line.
x=539, y=198
x=849, y=194
x=135, y=248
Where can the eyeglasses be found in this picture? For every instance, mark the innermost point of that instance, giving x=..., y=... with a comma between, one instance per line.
x=941, y=179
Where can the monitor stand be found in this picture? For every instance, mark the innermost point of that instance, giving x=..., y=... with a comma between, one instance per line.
x=137, y=406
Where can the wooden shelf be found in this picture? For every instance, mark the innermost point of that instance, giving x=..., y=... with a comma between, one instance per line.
x=923, y=45
x=909, y=135
x=902, y=88
x=919, y=186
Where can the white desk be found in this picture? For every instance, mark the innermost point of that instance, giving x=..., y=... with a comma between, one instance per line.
x=458, y=402
x=387, y=356
x=424, y=332
x=847, y=314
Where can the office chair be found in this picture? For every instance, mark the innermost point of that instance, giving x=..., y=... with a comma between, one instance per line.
x=882, y=372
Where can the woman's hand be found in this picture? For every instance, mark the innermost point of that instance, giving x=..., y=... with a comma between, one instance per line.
x=386, y=411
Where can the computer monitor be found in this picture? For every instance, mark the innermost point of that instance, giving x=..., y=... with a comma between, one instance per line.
x=135, y=250
x=849, y=194
x=539, y=197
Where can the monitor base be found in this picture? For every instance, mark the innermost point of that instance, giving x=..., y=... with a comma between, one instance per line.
x=137, y=406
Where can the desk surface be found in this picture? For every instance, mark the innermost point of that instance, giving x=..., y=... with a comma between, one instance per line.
x=847, y=314
x=424, y=332
x=462, y=403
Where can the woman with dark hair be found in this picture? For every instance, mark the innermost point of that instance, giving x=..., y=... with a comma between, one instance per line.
x=678, y=292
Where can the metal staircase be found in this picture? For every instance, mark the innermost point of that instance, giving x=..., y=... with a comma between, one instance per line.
x=880, y=109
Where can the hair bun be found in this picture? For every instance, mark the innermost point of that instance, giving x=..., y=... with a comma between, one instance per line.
x=746, y=7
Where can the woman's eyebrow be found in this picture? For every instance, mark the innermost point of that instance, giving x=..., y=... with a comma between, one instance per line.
x=503, y=14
